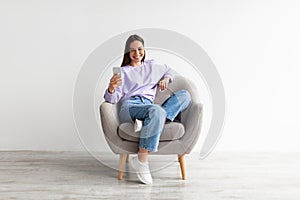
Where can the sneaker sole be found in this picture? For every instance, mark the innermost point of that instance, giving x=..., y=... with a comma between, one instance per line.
x=138, y=174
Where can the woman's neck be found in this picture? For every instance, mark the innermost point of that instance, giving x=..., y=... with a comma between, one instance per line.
x=135, y=64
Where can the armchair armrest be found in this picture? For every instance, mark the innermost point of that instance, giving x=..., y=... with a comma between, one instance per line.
x=110, y=121
x=192, y=121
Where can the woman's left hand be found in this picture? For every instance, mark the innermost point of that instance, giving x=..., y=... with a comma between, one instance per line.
x=163, y=84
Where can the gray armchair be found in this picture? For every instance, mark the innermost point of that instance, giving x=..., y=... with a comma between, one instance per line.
x=177, y=137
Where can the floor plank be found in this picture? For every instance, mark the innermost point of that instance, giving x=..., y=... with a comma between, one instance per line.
x=78, y=175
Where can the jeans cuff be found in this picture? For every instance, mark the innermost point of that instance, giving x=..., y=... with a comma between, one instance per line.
x=149, y=148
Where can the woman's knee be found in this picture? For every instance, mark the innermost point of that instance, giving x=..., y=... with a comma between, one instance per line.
x=157, y=111
x=184, y=96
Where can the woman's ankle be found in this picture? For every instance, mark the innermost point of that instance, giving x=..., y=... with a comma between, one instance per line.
x=143, y=155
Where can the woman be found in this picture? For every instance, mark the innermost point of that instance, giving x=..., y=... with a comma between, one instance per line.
x=136, y=89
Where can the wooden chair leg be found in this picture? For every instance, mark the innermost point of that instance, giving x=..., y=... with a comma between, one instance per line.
x=123, y=158
x=182, y=165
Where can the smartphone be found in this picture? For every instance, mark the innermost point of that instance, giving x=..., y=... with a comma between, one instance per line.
x=117, y=70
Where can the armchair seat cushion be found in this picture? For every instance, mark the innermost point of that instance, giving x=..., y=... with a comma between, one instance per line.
x=172, y=131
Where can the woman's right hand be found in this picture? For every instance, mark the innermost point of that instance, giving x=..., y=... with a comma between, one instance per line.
x=114, y=82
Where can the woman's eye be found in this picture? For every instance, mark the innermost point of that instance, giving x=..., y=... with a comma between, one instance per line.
x=138, y=49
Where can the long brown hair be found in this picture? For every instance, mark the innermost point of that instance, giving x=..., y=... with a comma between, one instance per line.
x=126, y=57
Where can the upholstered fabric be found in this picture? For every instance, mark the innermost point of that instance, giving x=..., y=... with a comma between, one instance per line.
x=172, y=131
x=175, y=139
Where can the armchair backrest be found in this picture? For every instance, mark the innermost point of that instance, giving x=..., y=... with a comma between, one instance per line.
x=179, y=83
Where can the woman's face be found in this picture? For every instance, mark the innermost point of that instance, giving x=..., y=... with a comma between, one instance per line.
x=136, y=51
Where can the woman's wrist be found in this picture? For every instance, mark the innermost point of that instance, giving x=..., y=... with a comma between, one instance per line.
x=111, y=91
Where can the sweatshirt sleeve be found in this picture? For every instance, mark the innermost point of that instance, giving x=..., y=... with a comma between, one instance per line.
x=170, y=73
x=114, y=97
x=164, y=70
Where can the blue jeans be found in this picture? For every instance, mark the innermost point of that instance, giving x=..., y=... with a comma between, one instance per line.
x=153, y=115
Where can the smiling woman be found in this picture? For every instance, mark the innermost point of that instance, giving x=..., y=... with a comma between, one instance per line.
x=134, y=53
x=140, y=79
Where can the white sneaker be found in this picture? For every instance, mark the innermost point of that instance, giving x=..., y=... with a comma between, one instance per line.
x=142, y=170
x=138, y=124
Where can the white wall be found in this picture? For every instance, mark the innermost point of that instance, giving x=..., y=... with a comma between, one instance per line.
x=254, y=44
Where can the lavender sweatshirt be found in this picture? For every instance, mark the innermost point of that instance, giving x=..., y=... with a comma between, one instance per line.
x=140, y=81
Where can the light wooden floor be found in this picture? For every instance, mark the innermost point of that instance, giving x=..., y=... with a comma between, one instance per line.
x=73, y=175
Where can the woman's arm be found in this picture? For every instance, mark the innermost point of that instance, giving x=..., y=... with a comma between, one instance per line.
x=169, y=73
x=165, y=73
x=163, y=84
x=114, y=93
